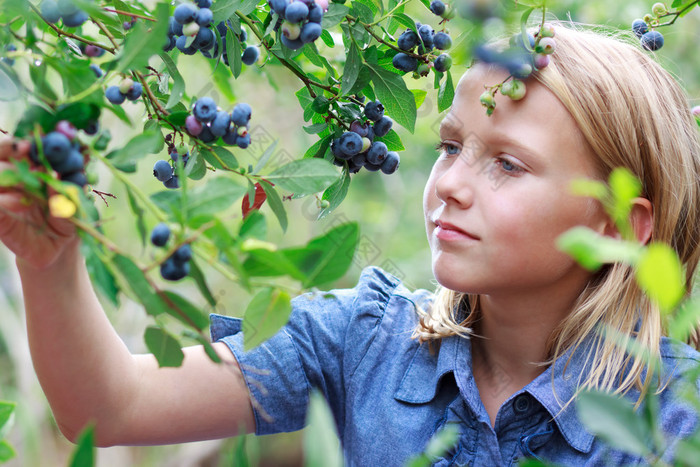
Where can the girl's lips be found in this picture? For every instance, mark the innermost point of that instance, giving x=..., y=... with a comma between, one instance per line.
x=447, y=231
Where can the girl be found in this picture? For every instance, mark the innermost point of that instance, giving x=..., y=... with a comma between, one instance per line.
x=500, y=350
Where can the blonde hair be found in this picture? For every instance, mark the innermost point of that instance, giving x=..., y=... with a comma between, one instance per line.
x=633, y=114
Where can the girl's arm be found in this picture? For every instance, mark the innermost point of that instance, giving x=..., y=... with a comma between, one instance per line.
x=83, y=366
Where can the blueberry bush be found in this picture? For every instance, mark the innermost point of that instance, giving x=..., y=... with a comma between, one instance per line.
x=362, y=71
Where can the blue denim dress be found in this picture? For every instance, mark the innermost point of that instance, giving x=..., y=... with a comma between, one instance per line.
x=389, y=394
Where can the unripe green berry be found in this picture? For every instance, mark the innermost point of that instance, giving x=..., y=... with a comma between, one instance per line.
x=325, y=203
x=547, y=30
x=515, y=89
x=659, y=9
x=648, y=18
x=125, y=85
x=366, y=143
x=545, y=46
x=449, y=12
x=487, y=99
x=423, y=69
x=190, y=29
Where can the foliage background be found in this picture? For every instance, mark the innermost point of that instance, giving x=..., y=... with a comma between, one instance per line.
x=388, y=209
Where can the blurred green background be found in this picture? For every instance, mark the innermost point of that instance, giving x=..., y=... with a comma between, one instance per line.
x=388, y=209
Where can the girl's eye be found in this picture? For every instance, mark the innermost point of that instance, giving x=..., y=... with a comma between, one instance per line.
x=447, y=148
x=508, y=167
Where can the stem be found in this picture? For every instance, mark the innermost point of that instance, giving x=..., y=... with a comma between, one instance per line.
x=400, y=4
x=144, y=199
x=368, y=28
x=126, y=13
x=106, y=32
x=95, y=234
x=154, y=100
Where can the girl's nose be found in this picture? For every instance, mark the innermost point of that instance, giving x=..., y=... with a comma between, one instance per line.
x=455, y=183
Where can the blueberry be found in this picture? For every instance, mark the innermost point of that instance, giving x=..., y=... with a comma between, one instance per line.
x=127, y=25
x=310, y=32
x=49, y=10
x=426, y=34
x=75, y=20
x=221, y=123
x=241, y=114
x=174, y=28
x=67, y=7
x=170, y=45
x=77, y=178
x=172, y=183
x=173, y=271
x=315, y=13
x=204, y=17
x=67, y=128
x=294, y=44
x=222, y=28
x=652, y=40
x=359, y=160
x=437, y=7
x=407, y=40
x=404, y=62
x=162, y=171
x=57, y=147
x=180, y=44
x=230, y=137
x=205, y=109
x=391, y=163
x=243, y=141
x=372, y=167
x=443, y=63
x=160, y=234
x=114, y=95
x=97, y=70
x=92, y=127
x=360, y=128
x=374, y=110
x=183, y=254
x=382, y=126
x=185, y=13
x=350, y=143
x=377, y=152
x=204, y=40
x=296, y=12
x=203, y=3
x=442, y=41
x=134, y=92
x=206, y=136
x=337, y=152
x=73, y=163
x=279, y=6
x=250, y=55
x=193, y=126
x=639, y=27
x=243, y=36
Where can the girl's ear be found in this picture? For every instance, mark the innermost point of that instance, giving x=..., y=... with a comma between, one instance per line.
x=641, y=218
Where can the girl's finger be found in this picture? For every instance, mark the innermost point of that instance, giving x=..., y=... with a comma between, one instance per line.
x=11, y=148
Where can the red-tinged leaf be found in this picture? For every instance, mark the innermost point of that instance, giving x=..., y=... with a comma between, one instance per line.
x=260, y=197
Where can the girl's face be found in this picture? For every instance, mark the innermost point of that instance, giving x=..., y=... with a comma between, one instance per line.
x=499, y=195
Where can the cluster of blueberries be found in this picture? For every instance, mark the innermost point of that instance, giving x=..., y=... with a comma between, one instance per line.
x=177, y=266
x=300, y=21
x=208, y=123
x=426, y=39
x=63, y=152
x=127, y=89
x=650, y=39
x=357, y=147
x=54, y=10
x=165, y=173
x=90, y=50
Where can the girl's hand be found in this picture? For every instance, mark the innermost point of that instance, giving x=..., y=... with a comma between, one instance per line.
x=26, y=228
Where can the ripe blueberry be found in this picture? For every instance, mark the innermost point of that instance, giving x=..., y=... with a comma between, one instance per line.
x=243, y=141
x=78, y=178
x=315, y=13
x=374, y=110
x=437, y=7
x=185, y=13
x=73, y=163
x=382, y=126
x=404, y=62
x=172, y=183
x=407, y=40
x=310, y=32
x=49, y=10
x=162, y=171
x=250, y=55
x=56, y=147
x=134, y=92
x=652, y=40
x=75, y=20
x=350, y=143
x=206, y=136
x=219, y=126
x=296, y=12
x=443, y=63
x=377, y=152
x=294, y=44
x=426, y=34
x=205, y=109
x=204, y=17
x=391, y=163
x=442, y=41
x=639, y=27
x=241, y=114
x=183, y=254
x=97, y=70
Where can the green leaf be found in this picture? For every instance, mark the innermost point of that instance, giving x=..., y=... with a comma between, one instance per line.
x=7, y=415
x=405, y=20
x=275, y=203
x=135, y=279
x=321, y=444
x=614, y=421
x=196, y=168
x=592, y=250
x=164, y=347
x=335, y=194
x=335, y=14
x=660, y=275
x=392, y=141
x=446, y=93
x=214, y=197
x=185, y=311
x=84, y=453
x=224, y=9
x=9, y=91
x=684, y=321
x=398, y=101
x=220, y=158
x=144, y=40
x=137, y=148
x=438, y=446
x=233, y=51
x=328, y=257
x=7, y=452
x=100, y=275
x=306, y=102
x=304, y=176
x=178, y=82
x=419, y=95
x=200, y=280
x=266, y=314
x=351, y=70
